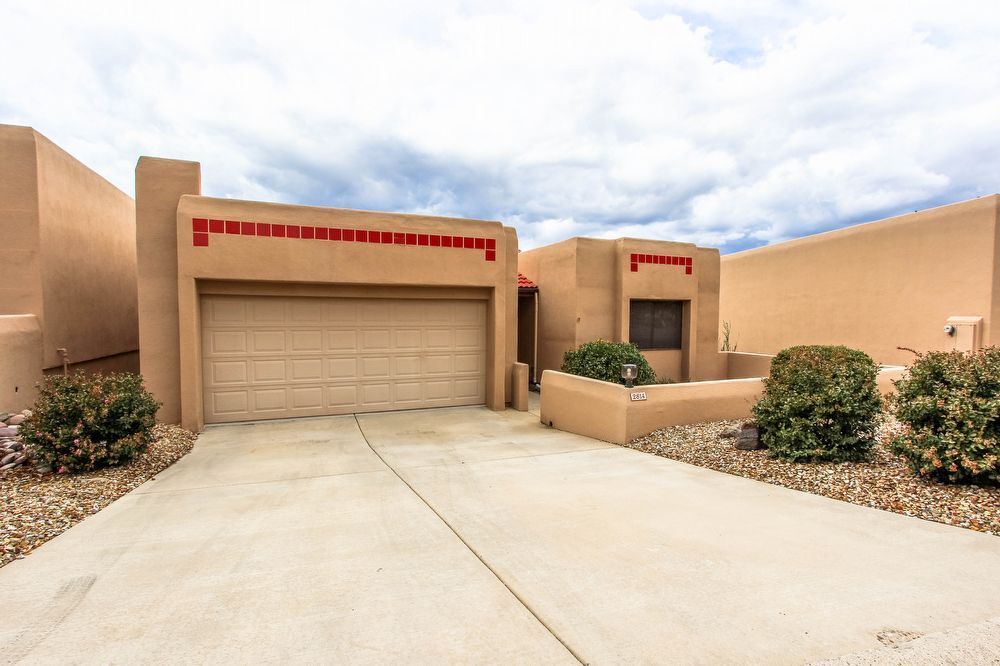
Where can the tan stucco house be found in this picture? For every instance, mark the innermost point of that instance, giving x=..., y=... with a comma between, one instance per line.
x=661, y=295
x=68, y=275
x=245, y=310
x=253, y=310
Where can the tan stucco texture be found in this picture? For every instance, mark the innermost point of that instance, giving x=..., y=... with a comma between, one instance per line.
x=229, y=247
x=21, y=364
x=586, y=285
x=876, y=286
x=613, y=413
x=69, y=256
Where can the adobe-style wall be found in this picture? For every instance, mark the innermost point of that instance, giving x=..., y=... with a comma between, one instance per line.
x=88, y=261
x=69, y=255
x=20, y=270
x=197, y=258
x=876, y=286
x=585, y=285
x=555, y=267
x=605, y=411
x=21, y=362
x=159, y=184
x=741, y=365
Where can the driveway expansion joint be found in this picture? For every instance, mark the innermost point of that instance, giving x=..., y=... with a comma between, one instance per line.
x=472, y=550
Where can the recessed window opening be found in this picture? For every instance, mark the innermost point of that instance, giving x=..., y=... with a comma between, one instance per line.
x=655, y=324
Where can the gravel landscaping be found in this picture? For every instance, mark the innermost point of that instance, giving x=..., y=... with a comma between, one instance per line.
x=37, y=507
x=883, y=482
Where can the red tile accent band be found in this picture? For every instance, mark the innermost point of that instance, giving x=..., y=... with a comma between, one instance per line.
x=202, y=227
x=687, y=263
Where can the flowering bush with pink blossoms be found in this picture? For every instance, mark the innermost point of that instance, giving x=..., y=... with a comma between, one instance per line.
x=949, y=405
x=84, y=422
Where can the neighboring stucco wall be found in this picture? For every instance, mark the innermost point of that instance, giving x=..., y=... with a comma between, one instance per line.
x=69, y=252
x=586, y=284
x=21, y=362
x=243, y=263
x=741, y=365
x=20, y=270
x=127, y=362
x=88, y=260
x=874, y=286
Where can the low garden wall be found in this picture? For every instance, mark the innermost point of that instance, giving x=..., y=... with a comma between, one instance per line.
x=607, y=411
x=744, y=365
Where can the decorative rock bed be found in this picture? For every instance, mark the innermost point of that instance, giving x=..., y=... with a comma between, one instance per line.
x=38, y=506
x=13, y=452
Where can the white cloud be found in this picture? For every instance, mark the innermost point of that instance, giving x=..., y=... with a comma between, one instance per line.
x=724, y=123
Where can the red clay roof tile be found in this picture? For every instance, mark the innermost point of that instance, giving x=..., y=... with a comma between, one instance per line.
x=525, y=283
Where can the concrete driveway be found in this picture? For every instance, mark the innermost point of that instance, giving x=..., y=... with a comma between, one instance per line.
x=469, y=536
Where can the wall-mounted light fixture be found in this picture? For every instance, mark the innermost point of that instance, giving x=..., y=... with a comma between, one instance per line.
x=629, y=372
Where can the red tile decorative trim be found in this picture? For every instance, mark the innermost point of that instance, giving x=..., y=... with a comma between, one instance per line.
x=202, y=227
x=687, y=263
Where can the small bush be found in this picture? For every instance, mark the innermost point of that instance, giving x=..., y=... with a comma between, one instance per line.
x=603, y=360
x=83, y=422
x=949, y=405
x=820, y=403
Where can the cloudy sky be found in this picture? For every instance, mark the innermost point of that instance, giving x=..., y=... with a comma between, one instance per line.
x=731, y=124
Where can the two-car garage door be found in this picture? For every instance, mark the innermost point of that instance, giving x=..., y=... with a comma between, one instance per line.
x=267, y=357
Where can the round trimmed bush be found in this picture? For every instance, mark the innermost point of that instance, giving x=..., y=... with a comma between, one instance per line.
x=82, y=422
x=603, y=360
x=949, y=405
x=820, y=403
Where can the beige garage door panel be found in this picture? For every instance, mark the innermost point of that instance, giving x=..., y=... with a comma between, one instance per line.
x=269, y=357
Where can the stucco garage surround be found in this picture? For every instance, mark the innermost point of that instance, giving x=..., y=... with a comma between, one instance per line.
x=286, y=310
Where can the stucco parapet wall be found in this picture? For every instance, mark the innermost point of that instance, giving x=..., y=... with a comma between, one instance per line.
x=69, y=249
x=254, y=247
x=217, y=236
x=607, y=411
x=878, y=287
x=946, y=213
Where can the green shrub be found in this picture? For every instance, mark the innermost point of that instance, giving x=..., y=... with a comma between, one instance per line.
x=820, y=403
x=949, y=405
x=603, y=360
x=83, y=422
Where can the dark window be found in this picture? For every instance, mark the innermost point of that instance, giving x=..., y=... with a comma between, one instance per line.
x=655, y=324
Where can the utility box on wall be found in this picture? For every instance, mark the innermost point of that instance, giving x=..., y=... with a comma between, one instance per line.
x=966, y=333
